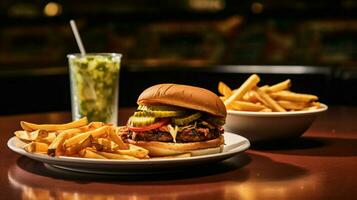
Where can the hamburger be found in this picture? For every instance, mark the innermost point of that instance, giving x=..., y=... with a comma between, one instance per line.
x=174, y=119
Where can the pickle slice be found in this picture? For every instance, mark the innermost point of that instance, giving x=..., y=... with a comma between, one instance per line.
x=217, y=121
x=142, y=114
x=162, y=111
x=187, y=119
x=140, y=121
x=161, y=114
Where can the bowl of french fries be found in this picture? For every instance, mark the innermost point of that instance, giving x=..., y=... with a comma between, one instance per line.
x=268, y=112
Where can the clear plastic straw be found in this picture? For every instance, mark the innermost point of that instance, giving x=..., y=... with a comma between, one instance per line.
x=78, y=37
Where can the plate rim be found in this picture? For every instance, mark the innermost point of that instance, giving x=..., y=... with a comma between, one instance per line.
x=230, y=153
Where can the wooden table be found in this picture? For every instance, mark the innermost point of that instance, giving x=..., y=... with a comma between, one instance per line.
x=320, y=165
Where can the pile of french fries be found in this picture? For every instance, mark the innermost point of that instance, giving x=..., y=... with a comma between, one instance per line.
x=275, y=98
x=78, y=139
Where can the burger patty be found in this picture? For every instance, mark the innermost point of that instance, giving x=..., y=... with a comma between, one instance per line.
x=193, y=135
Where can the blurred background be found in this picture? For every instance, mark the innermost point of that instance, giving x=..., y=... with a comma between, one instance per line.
x=197, y=42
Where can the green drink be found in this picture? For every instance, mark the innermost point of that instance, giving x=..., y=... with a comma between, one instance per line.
x=94, y=86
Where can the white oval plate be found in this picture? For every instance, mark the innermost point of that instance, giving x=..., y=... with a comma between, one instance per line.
x=234, y=144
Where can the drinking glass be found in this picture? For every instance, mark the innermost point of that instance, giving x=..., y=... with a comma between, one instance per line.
x=94, y=80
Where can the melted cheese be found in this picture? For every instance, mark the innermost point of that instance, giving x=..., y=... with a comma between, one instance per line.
x=173, y=131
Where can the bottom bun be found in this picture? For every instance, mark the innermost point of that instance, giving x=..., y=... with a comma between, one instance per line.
x=169, y=148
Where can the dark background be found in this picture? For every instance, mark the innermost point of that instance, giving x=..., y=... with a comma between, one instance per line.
x=197, y=42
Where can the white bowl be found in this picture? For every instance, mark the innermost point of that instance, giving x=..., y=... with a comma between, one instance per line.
x=264, y=126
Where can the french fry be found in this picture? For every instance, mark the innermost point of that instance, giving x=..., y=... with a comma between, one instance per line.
x=311, y=108
x=121, y=129
x=276, y=98
x=114, y=135
x=81, y=137
x=292, y=96
x=247, y=106
x=116, y=156
x=292, y=105
x=107, y=145
x=250, y=96
x=72, y=132
x=265, y=88
x=251, y=82
x=90, y=153
x=184, y=155
x=223, y=98
x=94, y=125
x=100, y=131
x=94, y=140
x=82, y=129
x=56, y=147
x=224, y=89
x=49, y=139
x=27, y=126
x=285, y=85
x=79, y=146
x=76, y=139
x=36, y=147
x=23, y=135
x=266, y=110
x=31, y=136
x=260, y=99
x=273, y=104
x=135, y=151
x=316, y=104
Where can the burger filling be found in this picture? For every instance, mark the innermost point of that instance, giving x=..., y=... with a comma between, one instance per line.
x=172, y=124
